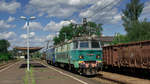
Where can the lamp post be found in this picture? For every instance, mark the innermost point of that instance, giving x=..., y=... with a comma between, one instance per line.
x=28, y=20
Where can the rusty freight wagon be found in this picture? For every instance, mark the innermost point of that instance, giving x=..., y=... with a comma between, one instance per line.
x=135, y=55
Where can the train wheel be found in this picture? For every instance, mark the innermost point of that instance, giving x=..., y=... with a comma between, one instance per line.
x=50, y=62
x=47, y=62
x=80, y=71
x=70, y=67
x=53, y=64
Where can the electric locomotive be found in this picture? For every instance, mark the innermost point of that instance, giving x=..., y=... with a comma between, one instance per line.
x=50, y=56
x=82, y=54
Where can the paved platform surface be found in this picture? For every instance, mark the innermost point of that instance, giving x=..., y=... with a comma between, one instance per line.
x=47, y=74
x=42, y=74
x=13, y=74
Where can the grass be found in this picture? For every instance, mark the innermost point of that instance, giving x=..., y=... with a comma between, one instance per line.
x=51, y=77
x=32, y=76
x=26, y=78
x=29, y=77
x=41, y=70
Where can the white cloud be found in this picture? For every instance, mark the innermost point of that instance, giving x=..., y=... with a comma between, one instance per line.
x=78, y=2
x=146, y=11
x=34, y=26
x=24, y=36
x=7, y=35
x=18, y=42
x=58, y=8
x=147, y=7
x=50, y=37
x=103, y=11
x=95, y=10
x=10, y=7
x=54, y=27
x=4, y=25
x=36, y=41
x=11, y=19
x=32, y=34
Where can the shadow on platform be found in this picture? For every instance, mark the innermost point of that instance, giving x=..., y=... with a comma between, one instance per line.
x=35, y=65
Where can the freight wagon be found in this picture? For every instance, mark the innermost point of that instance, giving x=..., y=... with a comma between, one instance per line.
x=83, y=55
x=134, y=56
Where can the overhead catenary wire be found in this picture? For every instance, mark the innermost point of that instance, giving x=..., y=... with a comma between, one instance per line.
x=107, y=10
x=110, y=10
x=105, y=7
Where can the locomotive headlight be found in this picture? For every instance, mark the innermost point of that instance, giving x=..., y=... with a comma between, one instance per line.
x=97, y=57
x=81, y=62
x=98, y=61
x=81, y=57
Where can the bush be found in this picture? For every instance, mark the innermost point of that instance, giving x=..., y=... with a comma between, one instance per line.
x=36, y=55
x=120, y=39
x=5, y=56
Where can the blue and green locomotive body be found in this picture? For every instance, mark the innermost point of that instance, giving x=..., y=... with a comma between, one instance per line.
x=81, y=54
x=50, y=56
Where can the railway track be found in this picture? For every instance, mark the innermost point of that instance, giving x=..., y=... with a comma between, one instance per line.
x=115, y=78
x=7, y=64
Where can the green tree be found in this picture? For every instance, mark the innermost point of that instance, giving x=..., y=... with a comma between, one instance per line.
x=66, y=32
x=4, y=54
x=140, y=31
x=95, y=28
x=4, y=45
x=36, y=55
x=131, y=13
x=91, y=28
x=56, y=40
x=71, y=30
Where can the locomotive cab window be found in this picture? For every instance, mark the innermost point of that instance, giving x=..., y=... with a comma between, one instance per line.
x=75, y=45
x=84, y=44
x=95, y=44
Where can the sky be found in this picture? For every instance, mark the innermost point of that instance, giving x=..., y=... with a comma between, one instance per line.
x=51, y=15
